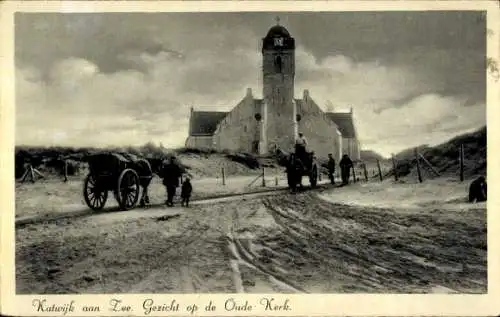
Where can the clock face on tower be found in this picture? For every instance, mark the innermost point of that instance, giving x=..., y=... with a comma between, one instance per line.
x=278, y=41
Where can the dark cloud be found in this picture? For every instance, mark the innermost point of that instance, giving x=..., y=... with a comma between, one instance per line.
x=147, y=69
x=360, y=35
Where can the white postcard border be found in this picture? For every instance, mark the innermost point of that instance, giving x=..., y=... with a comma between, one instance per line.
x=301, y=305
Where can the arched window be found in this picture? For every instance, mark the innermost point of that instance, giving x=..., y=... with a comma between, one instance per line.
x=278, y=64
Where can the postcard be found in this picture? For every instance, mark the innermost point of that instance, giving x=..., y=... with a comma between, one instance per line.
x=249, y=158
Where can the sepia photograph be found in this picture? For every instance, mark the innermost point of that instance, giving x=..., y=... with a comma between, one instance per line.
x=256, y=152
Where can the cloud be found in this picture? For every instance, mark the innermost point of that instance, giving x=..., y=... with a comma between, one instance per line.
x=89, y=107
x=130, y=79
x=426, y=119
x=345, y=81
x=86, y=106
x=395, y=107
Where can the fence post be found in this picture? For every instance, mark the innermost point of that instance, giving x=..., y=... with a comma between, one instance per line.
x=276, y=181
x=32, y=172
x=394, y=168
x=419, y=173
x=364, y=170
x=223, y=177
x=26, y=173
x=379, y=170
x=461, y=162
x=263, y=177
x=65, y=171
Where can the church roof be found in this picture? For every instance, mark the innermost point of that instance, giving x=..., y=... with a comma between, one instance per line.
x=344, y=122
x=205, y=122
x=278, y=31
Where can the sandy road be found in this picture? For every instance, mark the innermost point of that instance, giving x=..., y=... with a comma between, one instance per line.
x=278, y=243
x=114, y=214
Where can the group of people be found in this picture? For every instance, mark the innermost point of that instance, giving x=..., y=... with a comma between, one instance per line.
x=171, y=173
x=345, y=163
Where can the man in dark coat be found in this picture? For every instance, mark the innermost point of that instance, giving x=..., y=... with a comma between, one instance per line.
x=345, y=168
x=171, y=172
x=478, y=190
x=331, y=168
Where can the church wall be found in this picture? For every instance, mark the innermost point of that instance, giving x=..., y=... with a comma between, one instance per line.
x=356, y=155
x=200, y=142
x=346, y=146
x=238, y=131
x=278, y=95
x=350, y=146
x=320, y=131
x=280, y=128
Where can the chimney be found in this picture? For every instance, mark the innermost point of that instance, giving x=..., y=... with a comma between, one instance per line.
x=306, y=94
x=249, y=92
x=351, y=110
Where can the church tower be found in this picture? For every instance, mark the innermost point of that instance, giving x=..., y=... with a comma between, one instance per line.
x=278, y=67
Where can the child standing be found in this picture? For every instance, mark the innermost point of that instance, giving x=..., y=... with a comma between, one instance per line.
x=186, y=190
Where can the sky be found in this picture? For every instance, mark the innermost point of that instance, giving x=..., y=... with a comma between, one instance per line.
x=99, y=79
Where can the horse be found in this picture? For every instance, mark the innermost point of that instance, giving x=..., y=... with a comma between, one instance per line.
x=294, y=171
x=146, y=168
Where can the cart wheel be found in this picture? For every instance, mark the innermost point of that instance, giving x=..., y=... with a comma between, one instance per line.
x=313, y=178
x=94, y=195
x=128, y=189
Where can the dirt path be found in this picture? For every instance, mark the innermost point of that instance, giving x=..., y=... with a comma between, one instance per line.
x=114, y=214
x=257, y=244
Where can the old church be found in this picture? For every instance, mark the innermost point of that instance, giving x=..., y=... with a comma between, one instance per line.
x=260, y=126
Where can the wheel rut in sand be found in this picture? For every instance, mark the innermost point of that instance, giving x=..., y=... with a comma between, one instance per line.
x=183, y=277
x=409, y=252
x=241, y=250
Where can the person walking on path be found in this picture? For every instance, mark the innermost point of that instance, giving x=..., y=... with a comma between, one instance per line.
x=331, y=168
x=186, y=191
x=171, y=173
x=345, y=168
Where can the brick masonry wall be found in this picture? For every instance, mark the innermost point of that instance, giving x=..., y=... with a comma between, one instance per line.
x=239, y=130
x=278, y=93
x=321, y=132
x=351, y=148
x=280, y=127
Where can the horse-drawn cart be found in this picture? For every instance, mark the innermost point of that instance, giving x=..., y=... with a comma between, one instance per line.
x=299, y=166
x=117, y=172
